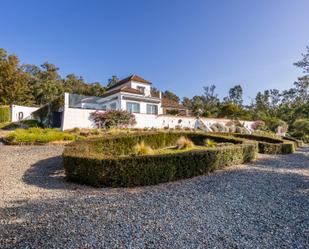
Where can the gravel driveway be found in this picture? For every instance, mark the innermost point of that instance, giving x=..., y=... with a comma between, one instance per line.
x=260, y=205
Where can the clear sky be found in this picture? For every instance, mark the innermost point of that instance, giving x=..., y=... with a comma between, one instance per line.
x=181, y=45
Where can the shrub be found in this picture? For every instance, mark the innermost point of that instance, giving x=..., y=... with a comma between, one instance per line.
x=210, y=143
x=217, y=127
x=269, y=145
x=37, y=136
x=258, y=125
x=301, y=129
x=107, y=161
x=297, y=142
x=24, y=124
x=184, y=143
x=113, y=118
x=5, y=114
x=142, y=149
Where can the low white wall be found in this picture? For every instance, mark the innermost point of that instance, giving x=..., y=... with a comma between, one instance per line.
x=26, y=111
x=75, y=117
x=80, y=118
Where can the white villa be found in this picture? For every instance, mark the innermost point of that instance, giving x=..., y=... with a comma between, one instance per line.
x=132, y=94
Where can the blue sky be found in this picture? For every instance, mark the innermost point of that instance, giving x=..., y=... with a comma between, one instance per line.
x=178, y=45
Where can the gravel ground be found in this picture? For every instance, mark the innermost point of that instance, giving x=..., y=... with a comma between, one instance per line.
x=260, y=205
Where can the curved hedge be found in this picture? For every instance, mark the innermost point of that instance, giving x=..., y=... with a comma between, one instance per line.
x=270, y=145
x=107, y=161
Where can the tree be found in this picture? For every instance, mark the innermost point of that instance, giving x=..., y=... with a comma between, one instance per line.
x=186, y=102
x=235, y=95
x=304, y=62
x=170, y=95
x=112, y=81
x=13, y=81
x=211, y=100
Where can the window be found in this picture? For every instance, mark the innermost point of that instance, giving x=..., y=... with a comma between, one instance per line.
x=152, y=109
x=133, y=107
x=141, y=89
x=104, y=108
x=112, y=106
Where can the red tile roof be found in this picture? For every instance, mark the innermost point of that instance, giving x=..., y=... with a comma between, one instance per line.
x=123, y=89
x=133, y=77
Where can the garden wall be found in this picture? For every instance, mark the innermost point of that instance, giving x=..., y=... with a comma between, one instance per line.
x=78, y=117
x=19, y=112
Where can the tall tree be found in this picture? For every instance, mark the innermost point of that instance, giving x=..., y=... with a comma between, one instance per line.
x=211, y=100
x=235, y=95
x=13, y=81
x=112, y=81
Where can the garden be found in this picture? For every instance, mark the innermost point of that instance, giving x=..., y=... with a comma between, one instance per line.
x=115, y=156
x=148, y=158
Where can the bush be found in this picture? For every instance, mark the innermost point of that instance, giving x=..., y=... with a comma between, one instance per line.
x=24, y=124
x=210, y=143
x=5, y=114
x=37, y=136
x=113, y=119
x=142, y=149
x=107, y=161
x=184, y=143
x=217, y=127
x=258, y=125
x=297, y=142
x=270, y=145
x=301, y=129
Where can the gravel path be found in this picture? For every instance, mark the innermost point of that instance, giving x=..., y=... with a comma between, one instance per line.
x=261, y=205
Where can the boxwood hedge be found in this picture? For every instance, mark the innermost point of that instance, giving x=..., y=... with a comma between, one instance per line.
x=270, y=145
x=107, y=161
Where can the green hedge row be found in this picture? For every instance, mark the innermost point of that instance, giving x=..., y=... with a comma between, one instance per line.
x=270, y=145
x=297, y=142
x=5, y=114
x=106, y=161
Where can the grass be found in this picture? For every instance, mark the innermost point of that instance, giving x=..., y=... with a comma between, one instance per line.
x=142, y=149
x=37, y=136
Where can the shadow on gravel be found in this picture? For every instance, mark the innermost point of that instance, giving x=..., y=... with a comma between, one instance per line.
x=47, y=173
x=237, y=209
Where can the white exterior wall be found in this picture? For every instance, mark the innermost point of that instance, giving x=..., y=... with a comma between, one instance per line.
x=147, y=87
x=77, y=117
x=26, y=110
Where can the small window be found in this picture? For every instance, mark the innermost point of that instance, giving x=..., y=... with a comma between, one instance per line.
x=133, y=107
x=152, y=109
x=20, y=115
x=112, y=106
x=141, y=89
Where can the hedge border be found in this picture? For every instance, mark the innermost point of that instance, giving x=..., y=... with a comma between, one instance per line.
x=269, y=145
x=93, y=168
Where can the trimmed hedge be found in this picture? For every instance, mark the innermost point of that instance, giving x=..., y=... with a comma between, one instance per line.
x=107, y=161
x=5, y=114
x=297, y=142
x=270, y=145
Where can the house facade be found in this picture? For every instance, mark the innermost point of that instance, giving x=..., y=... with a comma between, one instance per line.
x=134, y=95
